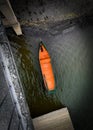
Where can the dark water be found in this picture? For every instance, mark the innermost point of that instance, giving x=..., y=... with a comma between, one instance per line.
x=38, y=99
x=71, y=52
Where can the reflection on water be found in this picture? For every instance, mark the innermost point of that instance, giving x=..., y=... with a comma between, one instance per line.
x=38, y=99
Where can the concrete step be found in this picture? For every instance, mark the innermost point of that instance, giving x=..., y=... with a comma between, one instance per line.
x=57, y=120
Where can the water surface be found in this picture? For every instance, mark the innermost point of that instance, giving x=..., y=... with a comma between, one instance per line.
x=39, y=100
x=71, y=52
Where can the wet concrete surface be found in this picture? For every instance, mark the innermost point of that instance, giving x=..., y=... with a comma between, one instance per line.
x=36, y=11
x=7, y=107
x=10, y=113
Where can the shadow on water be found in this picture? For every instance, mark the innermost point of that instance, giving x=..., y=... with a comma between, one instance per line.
x=39, y=101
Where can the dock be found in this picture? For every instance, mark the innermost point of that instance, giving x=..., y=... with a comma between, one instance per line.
x=58, y=120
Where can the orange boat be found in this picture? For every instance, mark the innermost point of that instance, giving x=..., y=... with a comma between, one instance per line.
x=46, y=68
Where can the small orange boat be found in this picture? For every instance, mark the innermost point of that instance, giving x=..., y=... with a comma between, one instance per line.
x=46, y=68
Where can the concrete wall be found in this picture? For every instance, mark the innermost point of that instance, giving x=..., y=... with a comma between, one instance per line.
x=29, y=11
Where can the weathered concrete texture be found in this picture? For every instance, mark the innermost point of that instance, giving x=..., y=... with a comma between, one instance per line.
x=58, y=120
x=14, y=112
x=7, y=11
x=6, y=107
x=35, y=11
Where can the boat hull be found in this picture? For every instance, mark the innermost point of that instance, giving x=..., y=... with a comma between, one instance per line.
x=46, y=68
